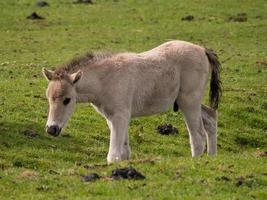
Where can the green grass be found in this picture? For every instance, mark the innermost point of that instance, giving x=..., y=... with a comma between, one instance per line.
x=238, y=172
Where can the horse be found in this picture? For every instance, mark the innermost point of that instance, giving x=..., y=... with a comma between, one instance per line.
x=121, y=86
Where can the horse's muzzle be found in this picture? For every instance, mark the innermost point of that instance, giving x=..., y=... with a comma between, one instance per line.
x=53, y=130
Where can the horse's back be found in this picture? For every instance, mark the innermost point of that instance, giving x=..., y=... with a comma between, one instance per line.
x=175, y=47
x=162, y=73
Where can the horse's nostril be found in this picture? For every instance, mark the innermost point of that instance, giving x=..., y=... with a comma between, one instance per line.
x=53, y=130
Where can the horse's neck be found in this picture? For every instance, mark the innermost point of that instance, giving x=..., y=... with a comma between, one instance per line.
x=88, y=88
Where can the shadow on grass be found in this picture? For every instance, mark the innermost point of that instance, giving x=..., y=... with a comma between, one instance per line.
x=41, y=150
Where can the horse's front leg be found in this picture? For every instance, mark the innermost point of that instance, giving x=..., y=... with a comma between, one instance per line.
x=119, y=145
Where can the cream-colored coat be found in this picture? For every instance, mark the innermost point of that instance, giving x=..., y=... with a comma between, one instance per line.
x=127, y=85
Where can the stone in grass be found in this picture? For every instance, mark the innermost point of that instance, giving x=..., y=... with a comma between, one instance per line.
x=90, y=177
x=127, y=173
x=34, y=16
x=41, y=3
x=167, y=129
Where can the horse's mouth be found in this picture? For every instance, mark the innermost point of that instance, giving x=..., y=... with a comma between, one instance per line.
x=53, y=130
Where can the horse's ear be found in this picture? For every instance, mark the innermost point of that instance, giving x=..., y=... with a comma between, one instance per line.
x=76, y=76
x=48, y=74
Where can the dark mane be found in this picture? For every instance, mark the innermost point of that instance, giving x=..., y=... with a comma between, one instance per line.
x=81, y=61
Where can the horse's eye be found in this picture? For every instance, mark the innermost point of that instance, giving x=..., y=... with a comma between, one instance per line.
x=66, y=101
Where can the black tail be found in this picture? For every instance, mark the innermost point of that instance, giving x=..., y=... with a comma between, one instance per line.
x=215, y=82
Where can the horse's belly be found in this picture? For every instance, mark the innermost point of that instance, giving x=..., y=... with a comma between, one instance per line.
x=152, y=107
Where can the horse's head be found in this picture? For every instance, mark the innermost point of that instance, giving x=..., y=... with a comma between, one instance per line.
x=62, y=97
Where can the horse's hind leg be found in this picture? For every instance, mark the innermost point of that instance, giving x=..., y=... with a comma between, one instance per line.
x=126, y=152
x=191, y=107
x=209, y=117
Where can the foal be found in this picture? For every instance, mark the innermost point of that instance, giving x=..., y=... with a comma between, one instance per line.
x=125, y=85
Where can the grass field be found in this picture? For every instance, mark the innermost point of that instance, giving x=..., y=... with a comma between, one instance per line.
x=43, y=167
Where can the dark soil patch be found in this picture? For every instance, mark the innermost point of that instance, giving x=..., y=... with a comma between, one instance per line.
x=187, y=18
x=34, y=16
x=83, y=1
x=42, y=3
x=222, y=178
x=117, y=174
x=127, y=173
x=167, y=129
x=30, y=133
x=240, y=17
x=90, y=177
x=248, y=181
x=240, y=181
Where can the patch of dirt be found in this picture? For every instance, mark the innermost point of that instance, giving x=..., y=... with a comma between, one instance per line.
x=28, y=174
x=167, y=129
x=222, y=178
x=188, y=18
x=127, y=173
x=90, y=177
x=239, y=181
x=30, y=133
x=35, y=16
x=261, y=62
x=122, y=173
x=240, y=17
x=42, y=3
x=83, y=1
x=261, y=153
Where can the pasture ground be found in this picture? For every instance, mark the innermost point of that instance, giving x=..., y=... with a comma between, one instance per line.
x=43, y=167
